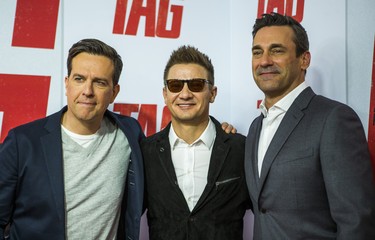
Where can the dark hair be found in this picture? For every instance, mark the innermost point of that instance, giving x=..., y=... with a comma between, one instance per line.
x=96, y=47
x=188, y=54
x=300, y=39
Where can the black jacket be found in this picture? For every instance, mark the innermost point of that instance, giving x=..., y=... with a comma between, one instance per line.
x=220, y=210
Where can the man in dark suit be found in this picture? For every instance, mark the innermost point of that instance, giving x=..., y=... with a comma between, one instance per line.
x=195, y=183
x=77, y=174
x=307, y=162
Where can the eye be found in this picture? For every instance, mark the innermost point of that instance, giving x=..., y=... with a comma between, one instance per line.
x=257, y=52
x=277, y=50
x=175, y=84
x=101, y=83
x=78, y=79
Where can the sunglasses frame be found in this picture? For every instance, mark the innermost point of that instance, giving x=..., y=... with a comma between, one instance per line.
x=187, y=81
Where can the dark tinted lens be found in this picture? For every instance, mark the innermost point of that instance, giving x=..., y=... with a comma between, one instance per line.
x=196, y=85
x=175, y=85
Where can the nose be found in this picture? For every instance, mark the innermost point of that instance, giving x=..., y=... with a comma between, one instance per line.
x=88, y=89
x=185, y=92
x=265, y=60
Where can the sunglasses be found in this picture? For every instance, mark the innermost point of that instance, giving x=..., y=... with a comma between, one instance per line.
x=194, y=85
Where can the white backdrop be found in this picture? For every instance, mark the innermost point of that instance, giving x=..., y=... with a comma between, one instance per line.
x=221, y=29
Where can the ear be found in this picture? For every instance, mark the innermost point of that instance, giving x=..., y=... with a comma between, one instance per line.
x=116, y=90
x=165, y=95
x=213, y=93
x=66, y=81
x=305, y=60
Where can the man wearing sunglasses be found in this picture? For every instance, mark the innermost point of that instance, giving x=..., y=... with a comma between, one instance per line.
x=195, y=184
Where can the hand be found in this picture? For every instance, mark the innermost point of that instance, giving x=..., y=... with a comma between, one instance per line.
x=228, y=128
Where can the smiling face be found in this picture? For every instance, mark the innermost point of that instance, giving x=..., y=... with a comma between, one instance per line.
x=187, y=107
x=276, y=68
x=89, y=90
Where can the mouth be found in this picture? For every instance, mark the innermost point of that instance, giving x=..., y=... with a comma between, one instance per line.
x=267, y=75
x=88, y=104
x=260, y=73
x=185, y=105
x=267, y=71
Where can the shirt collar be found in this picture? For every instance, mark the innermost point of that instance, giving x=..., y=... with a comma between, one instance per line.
x=207, y=137
x=284, y=103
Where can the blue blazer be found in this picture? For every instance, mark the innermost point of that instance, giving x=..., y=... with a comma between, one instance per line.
x=316, y=179
x=32, y=184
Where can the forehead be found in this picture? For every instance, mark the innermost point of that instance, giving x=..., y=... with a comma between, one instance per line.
x=187, y=71
x=274, y=35
x=92, y=61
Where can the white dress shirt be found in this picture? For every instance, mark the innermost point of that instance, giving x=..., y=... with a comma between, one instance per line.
x=272, y=119
x=191, y=162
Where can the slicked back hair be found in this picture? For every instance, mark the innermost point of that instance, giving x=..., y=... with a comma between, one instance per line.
x=300, y=39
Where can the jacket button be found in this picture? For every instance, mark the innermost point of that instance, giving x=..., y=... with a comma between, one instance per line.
x=191, y=219
x=161, y=149
x=262, y=210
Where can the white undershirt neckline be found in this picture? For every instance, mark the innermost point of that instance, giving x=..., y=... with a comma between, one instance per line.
x=84, y=140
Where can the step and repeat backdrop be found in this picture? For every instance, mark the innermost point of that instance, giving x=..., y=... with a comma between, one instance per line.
x=35, y=36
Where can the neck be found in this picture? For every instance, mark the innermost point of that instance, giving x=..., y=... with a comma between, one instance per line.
x=189, y=132
x=271, y=98
x=80, y=127
x=269, y=101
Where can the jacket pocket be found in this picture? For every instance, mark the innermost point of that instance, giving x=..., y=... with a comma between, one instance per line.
x=225, y=181
x=295, y=155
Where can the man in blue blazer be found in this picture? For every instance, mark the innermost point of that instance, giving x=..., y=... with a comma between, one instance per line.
x=78, y=173
x=307, y=163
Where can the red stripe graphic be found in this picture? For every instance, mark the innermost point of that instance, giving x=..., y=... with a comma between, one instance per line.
x=284, y=7
x=35, y=23
x=23, y=98
x=371, y=122
x=119, y=22
x=146, y=115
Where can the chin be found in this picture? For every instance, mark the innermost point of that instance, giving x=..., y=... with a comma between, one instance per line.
x=184, y=118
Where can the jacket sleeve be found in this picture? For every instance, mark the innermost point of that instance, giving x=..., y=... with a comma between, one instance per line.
x=347, y=171
x=8, y=180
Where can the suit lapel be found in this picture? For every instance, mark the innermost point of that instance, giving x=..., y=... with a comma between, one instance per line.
x=291, y=119
x=52, y=148
x=286, y=127
x=165, y=158
x=251, y=157
x=126, y=128
x=219, y=154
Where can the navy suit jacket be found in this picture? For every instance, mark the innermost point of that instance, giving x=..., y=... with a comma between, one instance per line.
x=316, y=179
x=32, y=183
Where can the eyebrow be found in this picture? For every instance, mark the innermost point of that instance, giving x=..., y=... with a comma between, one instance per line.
x=94, y=79
x=273, y=45
x=78, y=75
